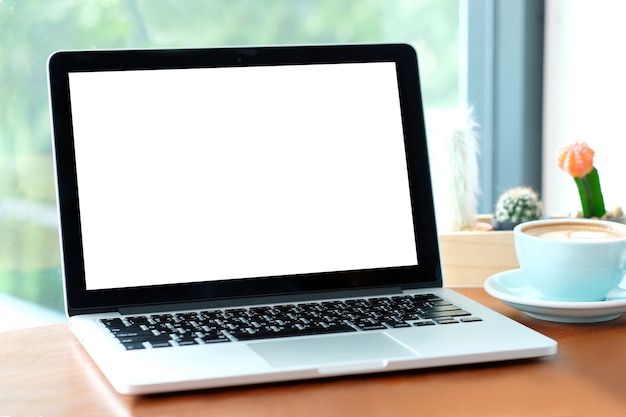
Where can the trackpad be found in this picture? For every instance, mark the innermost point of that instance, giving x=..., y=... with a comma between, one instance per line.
x=321, y=351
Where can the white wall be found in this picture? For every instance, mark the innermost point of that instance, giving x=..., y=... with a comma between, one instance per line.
x=585, y=96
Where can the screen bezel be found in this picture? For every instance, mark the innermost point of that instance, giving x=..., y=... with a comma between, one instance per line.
x=80, y=300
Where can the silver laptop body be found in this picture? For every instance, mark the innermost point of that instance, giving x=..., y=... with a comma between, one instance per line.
x=246, y=215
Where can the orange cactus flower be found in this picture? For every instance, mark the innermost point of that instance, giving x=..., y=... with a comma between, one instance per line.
x=576, y=159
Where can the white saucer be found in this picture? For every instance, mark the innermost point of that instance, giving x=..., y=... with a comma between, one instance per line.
x=512, y=288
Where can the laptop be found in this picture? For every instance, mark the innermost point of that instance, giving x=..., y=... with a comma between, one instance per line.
x=236, y=216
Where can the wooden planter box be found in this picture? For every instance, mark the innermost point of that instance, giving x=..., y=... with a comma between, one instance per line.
x=469, y=258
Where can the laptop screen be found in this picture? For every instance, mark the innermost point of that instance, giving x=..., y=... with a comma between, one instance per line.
x=186, y=175
x=207, y=174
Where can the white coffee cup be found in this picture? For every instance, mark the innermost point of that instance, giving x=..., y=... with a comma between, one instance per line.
x=573, y=259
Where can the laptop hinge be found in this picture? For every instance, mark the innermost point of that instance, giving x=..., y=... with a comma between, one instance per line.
x=238, y=302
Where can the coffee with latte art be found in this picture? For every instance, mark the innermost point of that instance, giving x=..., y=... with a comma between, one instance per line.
x=585, y=232
x=572, y=259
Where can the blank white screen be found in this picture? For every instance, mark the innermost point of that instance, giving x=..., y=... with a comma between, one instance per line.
x=190, y=175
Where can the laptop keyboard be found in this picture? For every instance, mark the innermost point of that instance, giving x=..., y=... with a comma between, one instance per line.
x=284, y=320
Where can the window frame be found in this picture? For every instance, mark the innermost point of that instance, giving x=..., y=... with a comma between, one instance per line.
x=503, y=83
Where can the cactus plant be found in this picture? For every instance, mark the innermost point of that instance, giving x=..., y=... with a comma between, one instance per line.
x=576, y=159
x=465, y=187
x=517, y=205
x=453, y=148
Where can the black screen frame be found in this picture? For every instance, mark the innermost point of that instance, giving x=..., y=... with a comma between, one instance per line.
x=79, y=300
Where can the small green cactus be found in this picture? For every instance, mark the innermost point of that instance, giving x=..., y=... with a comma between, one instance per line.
x=517, y=205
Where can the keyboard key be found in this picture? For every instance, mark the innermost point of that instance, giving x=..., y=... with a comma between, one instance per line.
x=373, y=327
x=394, y=324
x=446, y=320
x=133, y=345
x=447, y=313
x=424, y=323
x=470, y=319
x=213, y=338
x=290, y=332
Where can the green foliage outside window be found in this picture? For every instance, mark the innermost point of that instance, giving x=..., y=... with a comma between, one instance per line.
x=30, y=30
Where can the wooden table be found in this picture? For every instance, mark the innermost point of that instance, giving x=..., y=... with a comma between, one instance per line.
x=45, y=372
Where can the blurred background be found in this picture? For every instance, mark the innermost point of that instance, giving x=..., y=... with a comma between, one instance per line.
x=30, y=30
x=537, y=73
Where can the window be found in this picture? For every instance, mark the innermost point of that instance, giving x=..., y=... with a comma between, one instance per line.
x=585, y=86
x=30, y=30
